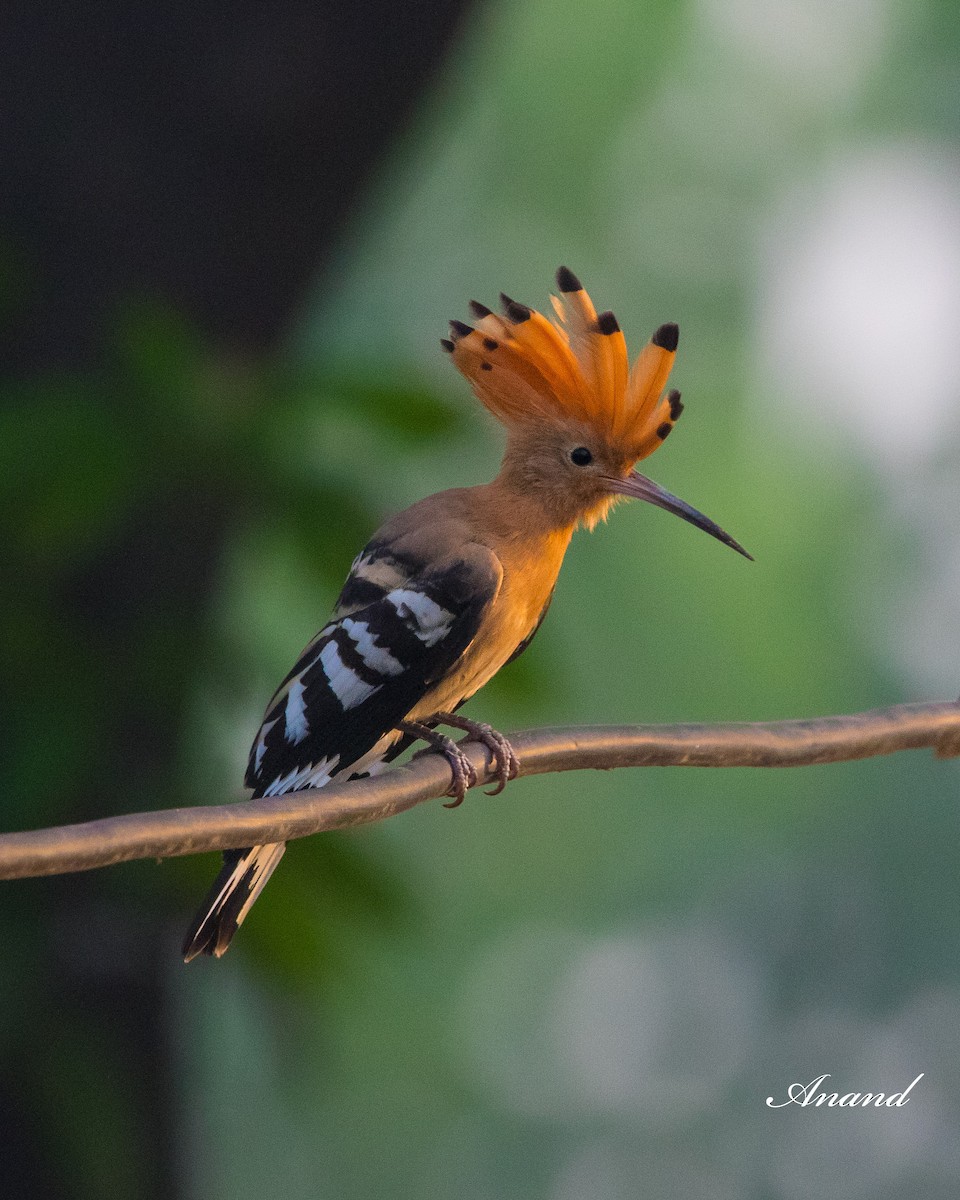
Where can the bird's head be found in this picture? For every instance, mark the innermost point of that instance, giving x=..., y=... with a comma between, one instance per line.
x=578, y=416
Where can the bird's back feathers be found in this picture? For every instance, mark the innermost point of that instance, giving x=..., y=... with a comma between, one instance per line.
x=410, y=607
x=370, y=666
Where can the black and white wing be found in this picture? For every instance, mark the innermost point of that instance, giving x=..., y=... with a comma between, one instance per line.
x=396, y=632
x=391, y=640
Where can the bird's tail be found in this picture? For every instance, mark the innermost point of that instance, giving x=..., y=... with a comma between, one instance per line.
x=240, y=882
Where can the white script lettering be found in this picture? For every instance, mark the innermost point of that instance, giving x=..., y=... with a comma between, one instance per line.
x=807, y=1094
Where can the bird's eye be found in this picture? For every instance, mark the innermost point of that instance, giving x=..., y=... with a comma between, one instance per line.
x=581, y=456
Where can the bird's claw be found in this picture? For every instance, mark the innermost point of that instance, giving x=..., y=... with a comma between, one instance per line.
x=506, y=763
x=462, y=769
x=504, y=757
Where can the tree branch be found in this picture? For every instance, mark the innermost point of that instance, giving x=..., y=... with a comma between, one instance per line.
x=179, y=831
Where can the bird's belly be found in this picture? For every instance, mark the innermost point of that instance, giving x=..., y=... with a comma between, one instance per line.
x=506, y=627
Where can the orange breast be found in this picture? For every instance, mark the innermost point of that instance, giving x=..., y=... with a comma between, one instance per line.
x=530, y=570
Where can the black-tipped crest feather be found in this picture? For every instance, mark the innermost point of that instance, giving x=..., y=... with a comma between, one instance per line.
x=667, y=337
x=567, y=281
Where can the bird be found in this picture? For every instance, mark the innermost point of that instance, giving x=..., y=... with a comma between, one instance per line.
x=454, y=587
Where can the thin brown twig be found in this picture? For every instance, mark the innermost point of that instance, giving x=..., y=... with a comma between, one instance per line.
x=180, y=831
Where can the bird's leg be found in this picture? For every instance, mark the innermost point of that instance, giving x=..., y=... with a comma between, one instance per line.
x=504, y=757
x=464, y=775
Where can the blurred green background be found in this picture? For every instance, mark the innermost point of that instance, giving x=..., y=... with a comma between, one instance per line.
x=228, y=249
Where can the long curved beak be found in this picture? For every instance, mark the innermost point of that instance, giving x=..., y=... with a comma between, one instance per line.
x=641, y=488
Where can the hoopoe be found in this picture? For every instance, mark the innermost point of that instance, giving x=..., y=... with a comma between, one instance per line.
x=453, y=588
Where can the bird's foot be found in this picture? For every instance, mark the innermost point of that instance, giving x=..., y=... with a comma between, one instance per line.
x=464, y=775
x=505, y=760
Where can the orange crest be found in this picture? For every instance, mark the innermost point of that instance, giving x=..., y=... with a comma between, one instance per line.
x=525, y=368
